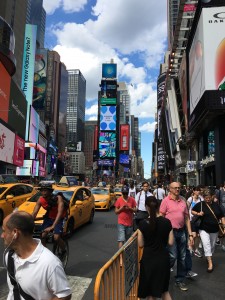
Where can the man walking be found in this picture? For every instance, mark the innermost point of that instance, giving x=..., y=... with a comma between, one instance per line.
x=174, y=208
x=34, y=272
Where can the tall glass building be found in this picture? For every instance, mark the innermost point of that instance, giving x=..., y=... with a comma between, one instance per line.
x=76, y=100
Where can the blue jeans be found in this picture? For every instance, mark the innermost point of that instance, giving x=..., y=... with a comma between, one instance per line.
x=178, y=253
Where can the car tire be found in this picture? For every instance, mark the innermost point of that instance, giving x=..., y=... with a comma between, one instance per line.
x=91, y=219
x=70, y=227
x=1, y=217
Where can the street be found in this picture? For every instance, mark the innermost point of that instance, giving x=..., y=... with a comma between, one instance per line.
x=92, y=245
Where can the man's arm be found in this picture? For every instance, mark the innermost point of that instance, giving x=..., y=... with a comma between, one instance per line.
x=188, y=226
x=36, y=208
x=60, y=203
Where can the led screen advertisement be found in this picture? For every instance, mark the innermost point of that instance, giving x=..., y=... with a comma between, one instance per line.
x=40, y=80
x=107, y=144
x=109, y=70
x=107, y=117
x=124, y=137
x=7, y=138
x=26, y=169
x=207, y=55
x=34, y=126
x=28, y=67
x=17, y=110
x=5, y=80
x=106, y=162
x=42, y=160
x=160, y=88
x=124, y=159
x=108, y=91
x=18, y=155
x=183, y=88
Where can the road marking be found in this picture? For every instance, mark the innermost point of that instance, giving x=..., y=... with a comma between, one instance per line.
x=78, y=285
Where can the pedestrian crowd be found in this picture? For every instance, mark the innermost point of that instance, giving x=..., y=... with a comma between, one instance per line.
x=174, y=223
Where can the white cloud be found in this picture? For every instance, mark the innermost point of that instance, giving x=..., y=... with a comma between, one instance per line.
x=92, y=111
x=148, y=127
x=68, y=6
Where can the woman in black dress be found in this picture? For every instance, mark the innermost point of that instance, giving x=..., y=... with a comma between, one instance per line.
x=154, y=234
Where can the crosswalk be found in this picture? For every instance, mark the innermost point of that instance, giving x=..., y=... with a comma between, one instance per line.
x=78, y=285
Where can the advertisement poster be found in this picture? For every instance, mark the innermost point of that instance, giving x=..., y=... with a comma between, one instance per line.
x=5, y=80
x=18, y=155
x=26, y=169
x=107, y=144
x=34, y=125
x=108, y=118
x=124, y=137
x=124, y=159
x=160, y=88
x=108, y=91
x=7, y=138
x=109, y=70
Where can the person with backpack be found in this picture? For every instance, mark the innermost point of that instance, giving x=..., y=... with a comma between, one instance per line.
x=33, y=271
x=56, y=211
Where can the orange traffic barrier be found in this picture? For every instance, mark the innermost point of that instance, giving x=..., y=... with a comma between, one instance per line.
x=118, y=278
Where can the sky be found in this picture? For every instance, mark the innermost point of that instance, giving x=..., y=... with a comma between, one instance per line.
x=87, y=33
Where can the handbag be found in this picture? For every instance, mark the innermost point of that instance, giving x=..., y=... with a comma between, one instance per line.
x=197, y=220
x=221, y=230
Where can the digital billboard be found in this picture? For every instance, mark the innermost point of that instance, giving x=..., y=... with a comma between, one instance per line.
x=5, y=80
x=17, y=110
x=160, y=88
x=183, y=88
x=40, y=80
x=108, y=91
x=207, y=55
x=30, y=151
x=124, y=159
x=7, y=138
x=107, y=144
x=107, y=117
x=42, y=160
x=34, y=125
x=109, y=70
x=28, y=67
x=124, y=137
x=18, y=155
x=106, y=162
x=29, y=168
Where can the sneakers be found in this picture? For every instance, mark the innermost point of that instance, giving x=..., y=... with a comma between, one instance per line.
x=197, y=253
x=218, y=243
x=223, y=248
x=182, y=286
x=191, y=274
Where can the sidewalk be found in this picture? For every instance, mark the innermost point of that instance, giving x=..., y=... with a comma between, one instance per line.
x=205, y=286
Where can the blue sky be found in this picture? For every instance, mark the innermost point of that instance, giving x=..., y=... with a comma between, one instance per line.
x=87, y=33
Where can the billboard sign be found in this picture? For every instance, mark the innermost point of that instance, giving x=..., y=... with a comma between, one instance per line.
x=40, y=79
x=183, y=88
x=108, y=101
x=106, y=162
x=107, y=117
x=7, y=138
x=26, y=169
x=107, y=144
x=34, y=126
x=124, y=137
x=160, y=157
x=42, y=160
x=28, y=67
x=109, y=70
x=17, y=110
x=160, y=88
x=124, y=159
x=109, y=90
x=5, y=80
x=207, y=55
x=18, y=155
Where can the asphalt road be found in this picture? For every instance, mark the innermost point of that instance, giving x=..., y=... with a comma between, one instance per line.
x=93, y=245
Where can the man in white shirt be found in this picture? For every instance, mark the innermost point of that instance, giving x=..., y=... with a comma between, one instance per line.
x=132, y=190
x=159, y=193
x=38, y=273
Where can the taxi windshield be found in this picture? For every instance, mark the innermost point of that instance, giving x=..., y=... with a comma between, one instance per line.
x=66, y=194
x=99, y=191
x=2, y=189
x=117, y=190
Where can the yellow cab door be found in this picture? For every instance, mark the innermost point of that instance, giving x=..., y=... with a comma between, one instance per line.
x=87, y=204
x=9, y=201
x=76, y=208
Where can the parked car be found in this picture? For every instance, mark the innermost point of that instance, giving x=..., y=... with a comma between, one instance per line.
x=13, y=195
x=117, y=191
x=104, y=197
x=81, y=206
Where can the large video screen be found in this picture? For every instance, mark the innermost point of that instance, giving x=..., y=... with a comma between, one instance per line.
x=109, y=70
x=124, y=159
x=108, y=118
x=106, y=162
x=109, y=89
x=107, y=144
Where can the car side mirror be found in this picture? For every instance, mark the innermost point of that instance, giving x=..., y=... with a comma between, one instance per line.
x=8, y=197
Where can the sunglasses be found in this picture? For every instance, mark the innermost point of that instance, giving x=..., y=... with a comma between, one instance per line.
x=176, y=188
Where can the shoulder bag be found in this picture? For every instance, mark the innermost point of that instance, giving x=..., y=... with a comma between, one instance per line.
x=221, y=231
x=197, y=220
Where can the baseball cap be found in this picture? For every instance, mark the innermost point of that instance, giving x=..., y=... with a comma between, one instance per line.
x=125, y=190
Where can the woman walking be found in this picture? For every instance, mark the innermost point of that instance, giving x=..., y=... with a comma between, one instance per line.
x=154, y=234
x=210, y=214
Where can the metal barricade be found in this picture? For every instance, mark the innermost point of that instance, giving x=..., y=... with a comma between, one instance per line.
x=116, y=281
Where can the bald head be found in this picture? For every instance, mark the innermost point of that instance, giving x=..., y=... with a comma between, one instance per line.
x=20, y=220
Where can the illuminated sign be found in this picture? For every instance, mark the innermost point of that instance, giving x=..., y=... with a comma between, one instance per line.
x=107, y=144
x=108, y=118
x=109, y=70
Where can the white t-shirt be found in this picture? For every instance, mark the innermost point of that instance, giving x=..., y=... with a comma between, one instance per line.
x=191, y=201
x=132, y=192
x=41, y=275
x=160, y=194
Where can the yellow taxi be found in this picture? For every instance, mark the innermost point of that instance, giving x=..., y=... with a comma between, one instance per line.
x=104, y=197
x=117, y=191
x=13, y=195
x=81, y=207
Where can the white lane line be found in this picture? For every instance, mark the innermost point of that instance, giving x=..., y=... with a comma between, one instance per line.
x=78, y=285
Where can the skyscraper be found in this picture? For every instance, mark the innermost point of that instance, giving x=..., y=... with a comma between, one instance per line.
x=76, y=100
x=172, y=12
x=124, y=98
